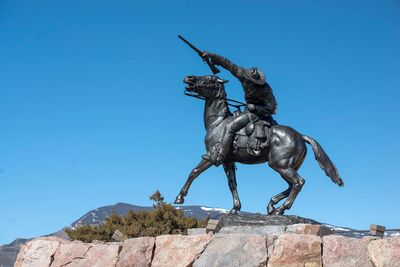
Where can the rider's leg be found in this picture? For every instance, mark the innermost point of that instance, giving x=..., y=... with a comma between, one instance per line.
x=230, y=129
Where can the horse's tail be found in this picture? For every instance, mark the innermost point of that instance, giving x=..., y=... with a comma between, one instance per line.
x=324, y=161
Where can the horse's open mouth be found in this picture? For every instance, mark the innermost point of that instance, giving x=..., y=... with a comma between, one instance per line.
x=189, y=87
x=189, y=82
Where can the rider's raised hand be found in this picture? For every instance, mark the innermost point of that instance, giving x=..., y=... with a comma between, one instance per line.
x=205, y=55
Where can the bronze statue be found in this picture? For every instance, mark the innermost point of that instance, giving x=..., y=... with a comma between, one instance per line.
x=251, y=136
x=260, y=103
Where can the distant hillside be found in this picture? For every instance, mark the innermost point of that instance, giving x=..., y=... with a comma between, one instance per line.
x=99, y=215
x=8, y=253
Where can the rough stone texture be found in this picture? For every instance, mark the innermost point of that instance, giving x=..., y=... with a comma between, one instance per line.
x=385, y=252
x=136, y=252
x=309, y=229
x=98, y=255
x=234, y=250
x=294, y=250
x=119, y=236
x=243, y=219
x=229, y=249
x=342, y=251
x=270, y=230
x=196, y=231
x=38, y=252
x=213, y=226
x=68, y=251
x=178, y=250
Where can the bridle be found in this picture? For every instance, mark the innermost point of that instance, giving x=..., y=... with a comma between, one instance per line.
x=195, y=95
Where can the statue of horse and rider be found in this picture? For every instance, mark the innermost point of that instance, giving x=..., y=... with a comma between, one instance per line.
x=251, y=136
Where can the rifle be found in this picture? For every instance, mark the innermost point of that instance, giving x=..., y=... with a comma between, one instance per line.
x=214, y=69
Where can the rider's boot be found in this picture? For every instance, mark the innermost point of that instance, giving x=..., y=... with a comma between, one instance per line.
x=222, y=148
x=225, y=147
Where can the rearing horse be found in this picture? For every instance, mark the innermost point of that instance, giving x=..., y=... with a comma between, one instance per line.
x=285, y=152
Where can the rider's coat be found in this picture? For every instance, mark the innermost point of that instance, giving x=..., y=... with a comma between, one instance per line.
x=258, y=95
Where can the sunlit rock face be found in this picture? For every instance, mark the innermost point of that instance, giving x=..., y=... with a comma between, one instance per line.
x=294, y=245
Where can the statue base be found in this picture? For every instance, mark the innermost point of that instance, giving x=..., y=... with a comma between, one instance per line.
x=257, y=219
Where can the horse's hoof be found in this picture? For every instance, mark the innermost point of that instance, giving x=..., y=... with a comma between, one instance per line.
x=179, y=200
x=276, y=212
x=270, y=210
x=233, y=211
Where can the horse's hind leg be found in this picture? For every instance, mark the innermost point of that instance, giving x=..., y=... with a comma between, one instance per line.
x=231, y=175
x=201, y=167
x=297, y=182
x=275, y=199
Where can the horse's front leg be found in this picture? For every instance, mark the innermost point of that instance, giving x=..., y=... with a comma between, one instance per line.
x=201, y=167
x=231, y=175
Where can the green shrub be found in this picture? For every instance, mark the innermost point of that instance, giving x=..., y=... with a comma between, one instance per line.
x=164, y=219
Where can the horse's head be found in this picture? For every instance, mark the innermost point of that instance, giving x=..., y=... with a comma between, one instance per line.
x=205, y=86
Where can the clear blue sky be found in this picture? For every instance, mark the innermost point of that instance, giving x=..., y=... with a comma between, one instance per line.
x=92, y=108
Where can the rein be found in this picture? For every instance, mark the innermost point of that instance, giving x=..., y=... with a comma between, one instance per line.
x=241, y=104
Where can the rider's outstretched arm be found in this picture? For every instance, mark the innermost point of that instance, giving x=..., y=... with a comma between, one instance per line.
x=236, y=70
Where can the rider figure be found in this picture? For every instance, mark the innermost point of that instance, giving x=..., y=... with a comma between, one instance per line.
x=260, y=102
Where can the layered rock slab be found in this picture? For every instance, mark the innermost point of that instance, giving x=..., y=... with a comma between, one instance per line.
x=296, y=250
x=309, y=229
x=234, y=250
x=38, y=252
x=385, y=252
x=99, y=255
x=178, y=250
x=254, y=219
x=94, y=255
x=270, y=230
x=137, y=252
x=342, y=251
x=67, y=252
x=55, y=252
x=281, y=248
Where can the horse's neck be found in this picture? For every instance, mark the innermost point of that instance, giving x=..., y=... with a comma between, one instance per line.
x=215, y=111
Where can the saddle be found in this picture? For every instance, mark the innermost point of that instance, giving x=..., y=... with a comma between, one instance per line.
x=257, y=133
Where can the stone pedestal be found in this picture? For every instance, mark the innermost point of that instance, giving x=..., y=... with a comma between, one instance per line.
x=257, y=219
